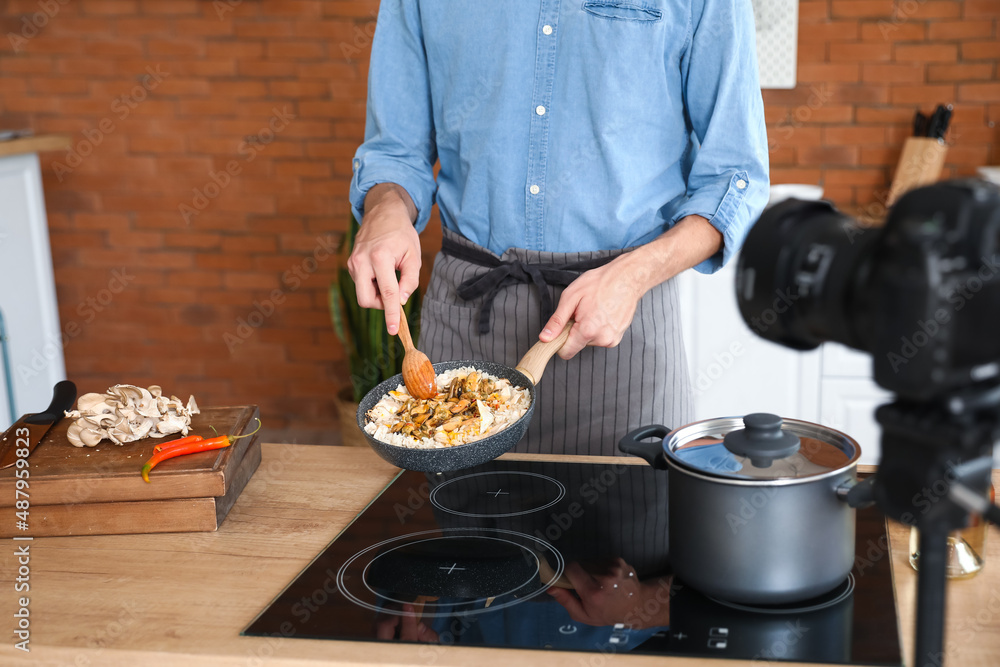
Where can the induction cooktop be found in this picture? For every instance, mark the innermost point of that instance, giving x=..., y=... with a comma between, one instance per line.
x=487, y=557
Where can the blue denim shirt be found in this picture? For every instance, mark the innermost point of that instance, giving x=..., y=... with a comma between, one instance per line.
x=568, y=125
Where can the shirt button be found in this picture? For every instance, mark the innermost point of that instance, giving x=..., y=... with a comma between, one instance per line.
x=540, y=110
x=741, y=184
x=357, y=163
x=547, y=29
x=534, y=189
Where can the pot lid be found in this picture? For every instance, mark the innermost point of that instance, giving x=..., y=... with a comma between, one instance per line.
x=760, y=446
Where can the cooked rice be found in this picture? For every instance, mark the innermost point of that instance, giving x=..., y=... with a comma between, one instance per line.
x=504, y=406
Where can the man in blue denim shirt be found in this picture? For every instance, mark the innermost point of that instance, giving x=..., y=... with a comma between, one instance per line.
x=598, y=146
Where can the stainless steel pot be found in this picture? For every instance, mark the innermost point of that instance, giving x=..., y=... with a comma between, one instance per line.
x=761, y=509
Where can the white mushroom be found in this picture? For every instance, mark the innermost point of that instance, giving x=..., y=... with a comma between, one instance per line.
x=90, y=402
x=126, y=413
x=73, y=434
x=99, y=421
x=82, y=436
x=173, y=424
x=147, y=407
x=142, y=429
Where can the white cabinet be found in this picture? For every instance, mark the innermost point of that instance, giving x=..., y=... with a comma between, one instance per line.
x=27, y=291
x=735, y=372
x=849, y=397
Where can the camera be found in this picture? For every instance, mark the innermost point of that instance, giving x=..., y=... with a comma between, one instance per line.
x=921, y=294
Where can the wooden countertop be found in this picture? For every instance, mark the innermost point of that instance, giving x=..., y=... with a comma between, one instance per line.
x=183, y=598
x=45, y=142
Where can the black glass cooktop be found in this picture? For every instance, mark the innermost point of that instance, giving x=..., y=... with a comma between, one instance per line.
x=488, y=557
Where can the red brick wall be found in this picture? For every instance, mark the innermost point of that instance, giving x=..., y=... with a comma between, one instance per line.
x=864, y=68
x=162, y=94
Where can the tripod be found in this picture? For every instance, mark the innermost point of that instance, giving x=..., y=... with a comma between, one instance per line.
x=934, y=471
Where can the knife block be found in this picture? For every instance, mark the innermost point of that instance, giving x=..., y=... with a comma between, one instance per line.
x=920, y=163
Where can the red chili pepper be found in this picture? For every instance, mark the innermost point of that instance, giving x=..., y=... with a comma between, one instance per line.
x=178, y=443
x=190, y=448
x=179, y=448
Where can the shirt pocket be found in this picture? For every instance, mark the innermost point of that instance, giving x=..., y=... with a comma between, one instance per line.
x=617, y=10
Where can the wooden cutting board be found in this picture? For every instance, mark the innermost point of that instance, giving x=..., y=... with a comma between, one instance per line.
x=99, y=491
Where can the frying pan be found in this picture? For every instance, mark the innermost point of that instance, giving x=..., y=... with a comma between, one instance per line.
x=526, y=374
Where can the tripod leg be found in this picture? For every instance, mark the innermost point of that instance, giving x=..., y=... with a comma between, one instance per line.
x=931, y=597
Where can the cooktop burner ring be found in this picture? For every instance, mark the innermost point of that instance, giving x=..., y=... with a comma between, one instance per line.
x=542, y=546
x=364, y=576
x=559, y=491
x=839, y=593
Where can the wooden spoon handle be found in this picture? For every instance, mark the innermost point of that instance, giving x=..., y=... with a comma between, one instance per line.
x=535, y=360
x=404, y=331
x=547, y=574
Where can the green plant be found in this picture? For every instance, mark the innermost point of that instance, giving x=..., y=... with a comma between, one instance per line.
x=372, y=354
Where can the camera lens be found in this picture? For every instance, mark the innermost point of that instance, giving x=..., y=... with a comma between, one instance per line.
x=800, y=274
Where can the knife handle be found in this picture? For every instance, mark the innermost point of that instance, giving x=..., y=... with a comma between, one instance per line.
x=63, y=397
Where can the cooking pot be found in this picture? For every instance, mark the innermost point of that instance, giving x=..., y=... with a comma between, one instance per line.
x=761, y=510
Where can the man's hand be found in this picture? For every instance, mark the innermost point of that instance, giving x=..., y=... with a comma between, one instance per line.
x=603, y=300
x=407, y=627
x=612, y=593
x=387, y=241
x=603, y=303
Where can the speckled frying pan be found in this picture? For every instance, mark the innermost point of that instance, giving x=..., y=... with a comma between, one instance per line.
x=527, y=374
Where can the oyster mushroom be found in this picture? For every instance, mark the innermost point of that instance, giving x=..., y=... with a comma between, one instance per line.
x=82, y=436
x=173, y=424
x=126, y=413
x=91, y=402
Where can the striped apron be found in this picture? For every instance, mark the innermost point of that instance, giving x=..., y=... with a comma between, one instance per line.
x=584, y=405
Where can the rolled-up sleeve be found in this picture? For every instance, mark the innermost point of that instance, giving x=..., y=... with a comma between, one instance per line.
x=399, y=129
x=728, y=179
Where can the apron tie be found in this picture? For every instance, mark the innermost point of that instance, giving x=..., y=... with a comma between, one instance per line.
x=503, y=273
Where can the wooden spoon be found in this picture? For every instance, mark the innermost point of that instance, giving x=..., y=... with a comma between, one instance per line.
x=418, y=372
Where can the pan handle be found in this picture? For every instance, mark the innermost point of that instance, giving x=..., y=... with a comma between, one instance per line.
x=535, y=360
x=652, y=451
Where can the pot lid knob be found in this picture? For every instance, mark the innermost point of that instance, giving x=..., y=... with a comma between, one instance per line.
x=762, y=440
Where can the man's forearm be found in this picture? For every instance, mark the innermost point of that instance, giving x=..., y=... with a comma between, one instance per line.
x=688, y=243
x=387, y=195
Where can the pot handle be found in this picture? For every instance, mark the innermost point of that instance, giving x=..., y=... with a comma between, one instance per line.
x=858, y=495
x=652, y=452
